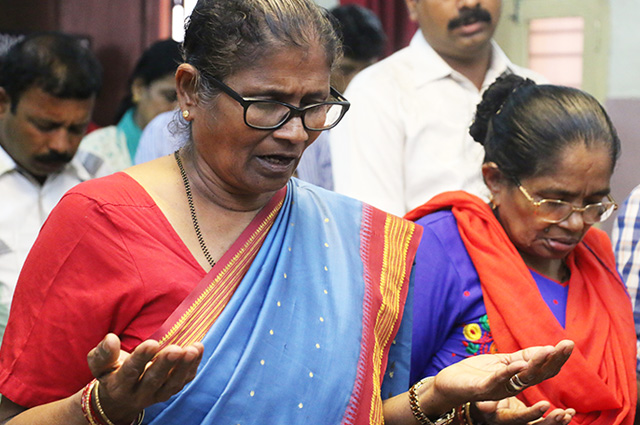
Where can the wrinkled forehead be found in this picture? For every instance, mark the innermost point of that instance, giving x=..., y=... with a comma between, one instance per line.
x=271, y=48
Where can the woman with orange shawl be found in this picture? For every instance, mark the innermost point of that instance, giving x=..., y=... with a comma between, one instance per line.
x=528, y=268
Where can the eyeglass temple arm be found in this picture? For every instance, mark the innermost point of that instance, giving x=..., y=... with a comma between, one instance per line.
x=335, y=93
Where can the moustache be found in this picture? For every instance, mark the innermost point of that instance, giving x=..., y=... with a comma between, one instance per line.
x=54, y=157
x=469, y=16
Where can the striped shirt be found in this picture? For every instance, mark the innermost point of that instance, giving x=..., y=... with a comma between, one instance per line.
x=626, y=243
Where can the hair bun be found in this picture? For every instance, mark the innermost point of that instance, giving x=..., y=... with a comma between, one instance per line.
x=492, y=102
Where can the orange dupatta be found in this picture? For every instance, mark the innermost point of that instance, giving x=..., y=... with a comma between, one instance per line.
x=599, y=378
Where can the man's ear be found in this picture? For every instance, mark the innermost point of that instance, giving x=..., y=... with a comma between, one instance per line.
x=186, y=84
x=411, y=8
x=5, y=102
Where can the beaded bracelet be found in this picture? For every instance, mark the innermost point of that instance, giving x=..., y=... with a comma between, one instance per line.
x=461, y=413
x=418, y=413
x=90, y=392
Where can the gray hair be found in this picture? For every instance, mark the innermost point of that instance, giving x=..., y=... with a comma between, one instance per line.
x=525, y=127
x=225, y=36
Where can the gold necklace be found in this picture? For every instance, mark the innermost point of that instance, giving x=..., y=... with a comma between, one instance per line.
x=192, y=208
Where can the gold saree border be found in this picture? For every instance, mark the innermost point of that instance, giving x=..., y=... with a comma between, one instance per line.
x=397, y=239
x=388, y=245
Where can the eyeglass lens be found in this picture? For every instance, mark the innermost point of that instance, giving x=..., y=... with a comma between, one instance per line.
x=269, y=114
x=557, y=211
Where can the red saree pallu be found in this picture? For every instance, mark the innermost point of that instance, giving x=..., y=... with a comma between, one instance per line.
x=599, y=378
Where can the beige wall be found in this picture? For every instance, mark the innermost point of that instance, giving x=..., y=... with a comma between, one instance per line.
x=623, y=100
x=328, y=3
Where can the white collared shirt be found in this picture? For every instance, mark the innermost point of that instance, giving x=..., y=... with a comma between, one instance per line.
x=405, y=137
x=26, y=204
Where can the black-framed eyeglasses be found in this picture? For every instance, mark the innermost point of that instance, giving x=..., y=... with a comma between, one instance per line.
x=263, y=114
x=555, y=211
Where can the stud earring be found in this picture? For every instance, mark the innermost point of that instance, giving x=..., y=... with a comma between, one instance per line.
x=491, y=203
x=185, y=114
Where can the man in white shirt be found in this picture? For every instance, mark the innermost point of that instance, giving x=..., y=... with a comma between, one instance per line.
x=405, y=138
x=363, y=42
x=48, y=85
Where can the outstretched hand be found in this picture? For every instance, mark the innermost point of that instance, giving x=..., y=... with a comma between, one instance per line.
x=511, y=411
x=149, y=375
x=486, y=377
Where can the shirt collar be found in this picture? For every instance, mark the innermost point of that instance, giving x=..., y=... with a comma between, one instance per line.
x=429, y=65
x=500, y=64
x=7, y=164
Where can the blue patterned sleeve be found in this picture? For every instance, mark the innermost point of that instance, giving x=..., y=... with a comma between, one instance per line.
x=626, y=239
x=396, y=377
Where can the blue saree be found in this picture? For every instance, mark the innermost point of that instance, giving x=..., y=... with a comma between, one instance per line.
x=305, y=335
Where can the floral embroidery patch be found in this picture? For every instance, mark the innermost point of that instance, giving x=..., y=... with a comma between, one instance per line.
x=478, y=339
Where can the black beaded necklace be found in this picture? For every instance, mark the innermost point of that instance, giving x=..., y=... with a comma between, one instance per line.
x=192, y=208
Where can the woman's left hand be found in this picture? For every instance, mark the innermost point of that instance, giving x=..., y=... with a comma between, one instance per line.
x=487, y=378
x=511, y=411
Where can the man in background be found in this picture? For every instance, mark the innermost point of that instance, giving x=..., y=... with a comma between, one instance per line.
x=363, y=41
x=48, y=85
x=405, y=137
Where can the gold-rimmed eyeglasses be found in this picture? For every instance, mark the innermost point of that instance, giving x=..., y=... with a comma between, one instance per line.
x=556, y=211
x=265, y=114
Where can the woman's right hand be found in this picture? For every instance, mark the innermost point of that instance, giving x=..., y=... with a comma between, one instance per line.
x=131, y=382
x=487, y=376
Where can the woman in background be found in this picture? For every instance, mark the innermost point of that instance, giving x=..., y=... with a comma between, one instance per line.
x=151, y=91
x=528, y=268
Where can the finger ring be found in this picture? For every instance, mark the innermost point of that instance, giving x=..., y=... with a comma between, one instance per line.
x=518, y=382
x=515, y=385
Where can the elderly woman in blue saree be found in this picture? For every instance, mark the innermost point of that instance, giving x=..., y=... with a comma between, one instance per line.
x=230, y=293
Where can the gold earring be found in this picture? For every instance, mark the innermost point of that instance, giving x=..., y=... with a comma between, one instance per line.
x=491, y=203
x=185, y=114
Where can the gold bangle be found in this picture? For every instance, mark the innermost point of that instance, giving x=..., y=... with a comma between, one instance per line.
x=99, y=406
x=137, y=421
x=467, y=416
x=447, y=418
x=464, y=414
x=85, y=403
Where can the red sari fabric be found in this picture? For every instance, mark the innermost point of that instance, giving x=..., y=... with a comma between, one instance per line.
x=599, y=378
